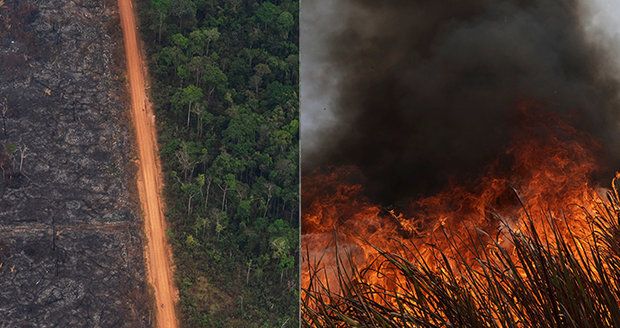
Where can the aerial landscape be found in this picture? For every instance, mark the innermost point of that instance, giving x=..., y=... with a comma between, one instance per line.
x=95, y=229
x=71, y=247
x=225, y=89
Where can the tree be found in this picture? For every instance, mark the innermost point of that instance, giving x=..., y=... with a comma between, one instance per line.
x=184, y=12
x=190, y=241
x=200, y=111
x=212, y=35
x=281, y=251
x=267, y=13
x=262, y=69
x=183, y=72
x=185, y=159
x=23, y=153
x=285, y=23
x=221, y=221
x=202, y=39
x=198, y=41
x=180, y=41
x=162, y=7
x=196, y=66
x=214, y=78
x=188, y=96
x=191, y=190
x=168, y=58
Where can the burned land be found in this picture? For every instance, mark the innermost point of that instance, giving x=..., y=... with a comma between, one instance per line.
x=71, y=246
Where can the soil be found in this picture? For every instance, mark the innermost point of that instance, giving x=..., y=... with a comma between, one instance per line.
x=157, y=253
x=71, y=241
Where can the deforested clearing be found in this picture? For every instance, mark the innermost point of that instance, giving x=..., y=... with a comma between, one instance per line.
x=71, y=244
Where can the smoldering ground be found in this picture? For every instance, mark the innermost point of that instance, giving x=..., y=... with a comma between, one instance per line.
x=427, y=91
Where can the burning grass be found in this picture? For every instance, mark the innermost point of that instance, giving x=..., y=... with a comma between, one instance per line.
x=542, y=274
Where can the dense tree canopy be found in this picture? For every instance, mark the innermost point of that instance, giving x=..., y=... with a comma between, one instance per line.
x=225, y=85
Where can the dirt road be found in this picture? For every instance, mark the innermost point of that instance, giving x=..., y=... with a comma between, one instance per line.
x=149, y=185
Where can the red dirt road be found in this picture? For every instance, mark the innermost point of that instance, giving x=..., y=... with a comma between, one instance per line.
x=157, y=252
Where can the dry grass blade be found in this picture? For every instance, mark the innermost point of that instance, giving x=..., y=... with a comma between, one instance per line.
x=542, y=281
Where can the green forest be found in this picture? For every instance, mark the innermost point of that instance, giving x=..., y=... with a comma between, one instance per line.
x=225, y=86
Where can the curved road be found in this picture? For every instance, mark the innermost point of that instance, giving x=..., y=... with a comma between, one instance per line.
x=157, y=250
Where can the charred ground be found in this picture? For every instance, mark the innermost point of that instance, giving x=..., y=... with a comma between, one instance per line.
x=71, y=250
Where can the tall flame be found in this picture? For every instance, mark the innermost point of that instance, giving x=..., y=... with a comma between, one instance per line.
x=546, y=172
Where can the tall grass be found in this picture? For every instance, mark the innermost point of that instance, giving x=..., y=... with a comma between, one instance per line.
x=536, y=280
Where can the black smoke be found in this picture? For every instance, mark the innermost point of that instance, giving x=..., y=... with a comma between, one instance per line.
x=429, y=89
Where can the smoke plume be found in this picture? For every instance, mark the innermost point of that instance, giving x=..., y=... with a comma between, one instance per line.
x=428, y=91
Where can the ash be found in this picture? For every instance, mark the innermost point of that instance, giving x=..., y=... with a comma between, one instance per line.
x=71, y=244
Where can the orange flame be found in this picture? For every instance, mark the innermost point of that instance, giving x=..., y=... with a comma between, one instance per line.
x=549, y=176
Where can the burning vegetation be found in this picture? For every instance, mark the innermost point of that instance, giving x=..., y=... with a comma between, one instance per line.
x=467, y=190
x=541, y=275
x=488, y=256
